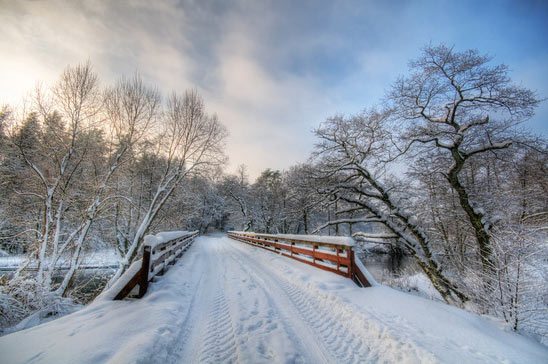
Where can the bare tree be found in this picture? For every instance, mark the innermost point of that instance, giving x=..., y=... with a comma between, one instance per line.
x=461, y=107
x=353, y=157
x=131, y=109
x=237, y=189
x=303, y=198
x=63, y=144
x=190, y=140
x=67, y=114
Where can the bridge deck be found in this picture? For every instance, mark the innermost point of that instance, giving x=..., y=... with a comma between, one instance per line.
x=225, y=301
x=249, y=311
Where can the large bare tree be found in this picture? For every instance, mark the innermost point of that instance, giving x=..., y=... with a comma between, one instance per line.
x=353, y=157
x=460, y=107
x=189, y=140
x=60, y=123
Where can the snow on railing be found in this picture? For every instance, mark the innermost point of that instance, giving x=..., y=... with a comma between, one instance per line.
x=331, y=253
x=159, y=251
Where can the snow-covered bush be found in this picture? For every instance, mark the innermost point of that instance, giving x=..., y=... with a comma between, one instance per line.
x=518, y=290
x=415, y=283
x=25, y=303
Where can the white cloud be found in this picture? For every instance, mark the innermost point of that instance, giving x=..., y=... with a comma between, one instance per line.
x=272, y=73
x=269, y=118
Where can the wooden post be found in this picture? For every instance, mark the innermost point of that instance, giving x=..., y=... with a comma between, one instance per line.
x=351, y=265
x=357, y=275
x=145, y=268
x=182, y=251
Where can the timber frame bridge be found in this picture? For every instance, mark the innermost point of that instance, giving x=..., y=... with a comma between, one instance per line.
x=330, y=253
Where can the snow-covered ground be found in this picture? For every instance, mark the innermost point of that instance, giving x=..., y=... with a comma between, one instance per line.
x=226, y=301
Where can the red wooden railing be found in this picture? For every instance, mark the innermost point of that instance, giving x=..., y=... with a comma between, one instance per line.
x=330, y=253
x=159, y=252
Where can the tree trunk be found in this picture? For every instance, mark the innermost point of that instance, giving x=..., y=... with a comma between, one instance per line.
x=475, y=217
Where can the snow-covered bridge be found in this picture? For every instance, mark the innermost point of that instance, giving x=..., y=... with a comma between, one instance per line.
x=226, y=301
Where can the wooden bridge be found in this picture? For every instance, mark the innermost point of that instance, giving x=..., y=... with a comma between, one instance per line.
x=269, y=305
x=330, y=253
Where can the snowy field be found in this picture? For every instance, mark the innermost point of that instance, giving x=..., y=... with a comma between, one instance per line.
x=226, y=301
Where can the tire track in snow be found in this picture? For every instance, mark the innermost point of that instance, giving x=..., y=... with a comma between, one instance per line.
x=383, y=345
x=340, y=341
x=186, y=321
x=183, y=345
x=349, y=347
x=263, y=332
x=219, y=345
x=349, y=335
x=187, y=348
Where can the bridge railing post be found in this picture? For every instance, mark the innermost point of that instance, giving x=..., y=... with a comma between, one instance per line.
x=339, y=251
x=145, y=269
x=351, y=265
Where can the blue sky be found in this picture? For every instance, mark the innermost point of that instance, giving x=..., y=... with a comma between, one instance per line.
x=272, y=70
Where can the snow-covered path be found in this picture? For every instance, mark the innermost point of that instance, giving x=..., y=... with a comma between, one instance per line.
x=226, y=301
x=242, y=314
x=251, y=312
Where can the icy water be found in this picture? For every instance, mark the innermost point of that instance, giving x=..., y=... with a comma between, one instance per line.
x=385, y=267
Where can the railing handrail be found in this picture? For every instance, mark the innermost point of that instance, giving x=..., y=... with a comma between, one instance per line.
x=158, y=253
x=322, y=240
x=310, y=249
